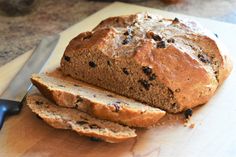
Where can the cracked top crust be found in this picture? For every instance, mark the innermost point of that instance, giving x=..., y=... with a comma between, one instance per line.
x=187, y=58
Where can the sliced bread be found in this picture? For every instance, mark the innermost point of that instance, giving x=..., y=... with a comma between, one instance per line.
x=82, y=123
x=97, y=102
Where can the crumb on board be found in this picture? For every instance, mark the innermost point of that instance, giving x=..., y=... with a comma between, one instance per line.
x=191, y=126
x=188, y=123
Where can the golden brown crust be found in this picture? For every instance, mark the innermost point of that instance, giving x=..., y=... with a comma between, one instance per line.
x=192, y=64
x=122, y=112
x=226, y=63
x=190, y=80
x=227, y=66
x=212, y=45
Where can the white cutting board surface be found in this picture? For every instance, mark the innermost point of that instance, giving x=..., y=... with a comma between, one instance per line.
x=215, y=123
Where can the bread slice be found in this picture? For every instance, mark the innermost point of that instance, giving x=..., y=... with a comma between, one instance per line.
x=172, y=64
x=97, y=102
x=82, y=123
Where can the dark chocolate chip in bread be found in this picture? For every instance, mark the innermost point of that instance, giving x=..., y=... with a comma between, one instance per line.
x=87, y=37
x=128, y=32
x=156, y=37
x=175, y=21
x=125, y=70
x=127, y=40
x=67, y=58
x=38, y=102
x=152, y=77
x=147, y=70
x=81, y=122
x=109, y=63
x=171, y=40
x=161, y=44
x=145, y=84
x=203, y=58
x=92, y=64
x=188, y=113
x=117, y=107
x=94, y=126
x=79, y=99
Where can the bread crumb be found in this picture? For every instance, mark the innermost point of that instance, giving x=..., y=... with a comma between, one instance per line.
x=188, y=123
x=191, y=126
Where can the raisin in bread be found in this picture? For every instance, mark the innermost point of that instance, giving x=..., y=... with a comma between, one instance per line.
x=99, y=103
x=82, y=123
x=170, y=64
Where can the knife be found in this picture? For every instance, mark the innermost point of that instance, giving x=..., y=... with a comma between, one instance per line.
x=13, y=97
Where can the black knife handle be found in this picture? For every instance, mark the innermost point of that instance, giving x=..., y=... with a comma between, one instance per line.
x=8, y=107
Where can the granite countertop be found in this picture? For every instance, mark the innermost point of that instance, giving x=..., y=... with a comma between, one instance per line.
x=19, y=34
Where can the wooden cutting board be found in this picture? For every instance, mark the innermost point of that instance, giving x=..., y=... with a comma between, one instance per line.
x=215, y=123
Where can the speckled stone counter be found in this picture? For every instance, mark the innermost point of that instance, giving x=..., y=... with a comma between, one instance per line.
x=22, y=33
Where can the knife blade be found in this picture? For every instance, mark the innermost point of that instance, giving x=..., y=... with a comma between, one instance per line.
x=12, y=98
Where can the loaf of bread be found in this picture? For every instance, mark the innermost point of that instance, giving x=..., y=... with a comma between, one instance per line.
x=167, y=63
x=97, y=102
x=82, y=123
